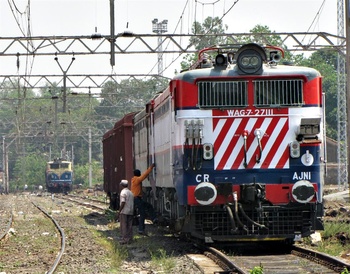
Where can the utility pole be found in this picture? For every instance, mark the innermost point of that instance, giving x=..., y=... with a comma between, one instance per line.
x=159, y=28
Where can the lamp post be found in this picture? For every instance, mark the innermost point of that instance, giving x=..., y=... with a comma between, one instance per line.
x=159, y=28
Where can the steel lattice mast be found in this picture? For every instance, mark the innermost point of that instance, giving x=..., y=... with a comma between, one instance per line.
x=160, y=28
x=341, y=112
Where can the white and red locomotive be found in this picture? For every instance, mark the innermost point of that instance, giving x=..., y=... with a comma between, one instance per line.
x=238, y=148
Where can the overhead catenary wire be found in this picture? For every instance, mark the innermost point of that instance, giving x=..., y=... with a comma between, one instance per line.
x=316, y=18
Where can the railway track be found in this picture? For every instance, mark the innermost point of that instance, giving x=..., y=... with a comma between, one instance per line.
x=63, y=239
x=19, y=217
x=297, y=260
x=36, y=245
x=6, y=219
x=92, y=204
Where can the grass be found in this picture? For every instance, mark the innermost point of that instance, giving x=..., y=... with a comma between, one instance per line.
x=161, y=260
x=332, y=228
x=119, y=254
x=257, y=270
x=330, y=243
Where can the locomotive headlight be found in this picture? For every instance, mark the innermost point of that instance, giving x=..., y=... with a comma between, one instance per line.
x=250, y=59
x=303, y=191
x=249, y=62
x=205, y=193
x=294, y=149
x=208, y=151
x=245, y=61
x=254, y=61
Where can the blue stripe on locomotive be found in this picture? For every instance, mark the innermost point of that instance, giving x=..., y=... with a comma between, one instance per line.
x=297, y=171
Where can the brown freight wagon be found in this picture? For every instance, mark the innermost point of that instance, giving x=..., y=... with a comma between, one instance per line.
x=117, y=158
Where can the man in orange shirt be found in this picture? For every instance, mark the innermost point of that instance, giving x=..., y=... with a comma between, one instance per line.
x=142, y=206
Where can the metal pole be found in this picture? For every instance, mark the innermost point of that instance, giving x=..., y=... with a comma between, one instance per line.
x=72, y=157
x=112, y=32
x=64, y=82
x=7, y=171
x=64, y=92
x=50, y=153
x=347, y=36
x=90, y=164
x=3, y=164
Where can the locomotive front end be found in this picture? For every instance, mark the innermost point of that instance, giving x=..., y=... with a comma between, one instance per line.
x=249, y=159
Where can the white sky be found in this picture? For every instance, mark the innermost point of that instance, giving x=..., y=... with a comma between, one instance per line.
x=78, y=17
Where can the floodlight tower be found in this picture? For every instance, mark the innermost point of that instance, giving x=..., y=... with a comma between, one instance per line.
x=159, y=28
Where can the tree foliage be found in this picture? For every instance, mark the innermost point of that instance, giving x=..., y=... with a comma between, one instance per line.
x=81, y=174
x=29, y=170
x=128, y=96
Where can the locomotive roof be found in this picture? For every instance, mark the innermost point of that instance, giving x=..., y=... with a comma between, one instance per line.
x=231, y=71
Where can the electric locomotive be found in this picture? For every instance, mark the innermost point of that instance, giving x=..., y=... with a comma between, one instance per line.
x=238, y=145
x=59, y=176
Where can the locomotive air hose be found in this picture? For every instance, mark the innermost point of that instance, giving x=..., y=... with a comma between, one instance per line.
x=192, y=155
x=249, y=219
x=232, y=220
x=237, y=217
x=186, y=157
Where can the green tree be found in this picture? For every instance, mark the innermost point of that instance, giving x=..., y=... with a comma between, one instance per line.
x=30, y=171
x=81, y=174
x=128, y=96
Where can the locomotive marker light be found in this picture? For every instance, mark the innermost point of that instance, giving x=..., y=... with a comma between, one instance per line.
x=303, y=191
x=205, y=193
x=208, y=151
x=294, y=149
